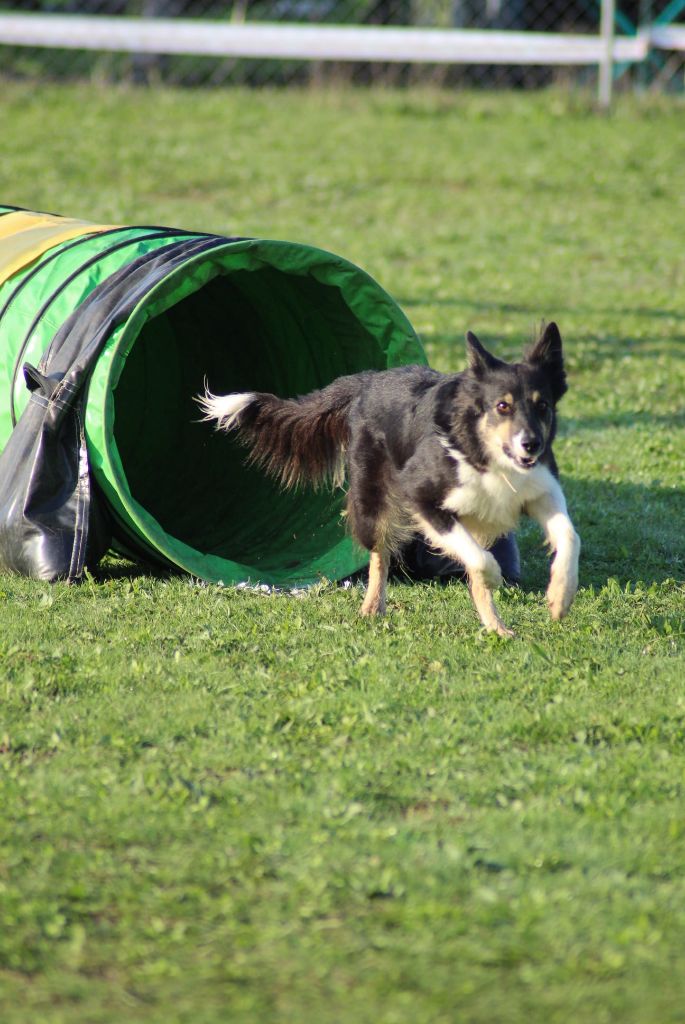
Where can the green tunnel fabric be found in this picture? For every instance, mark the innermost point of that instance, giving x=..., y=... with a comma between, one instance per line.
x=244, y=314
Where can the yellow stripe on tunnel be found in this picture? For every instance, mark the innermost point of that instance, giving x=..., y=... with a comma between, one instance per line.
x=24, y=237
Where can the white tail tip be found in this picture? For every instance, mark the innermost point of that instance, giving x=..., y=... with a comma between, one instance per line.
x=224, y=409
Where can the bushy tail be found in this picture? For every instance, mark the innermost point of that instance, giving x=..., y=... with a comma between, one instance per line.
x=296, y=440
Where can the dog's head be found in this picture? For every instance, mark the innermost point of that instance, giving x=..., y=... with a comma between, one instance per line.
x=517, y=401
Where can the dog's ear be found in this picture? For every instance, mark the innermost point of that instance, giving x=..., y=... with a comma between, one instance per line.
x=548, y=346
x=480, y=360
x=547, y=354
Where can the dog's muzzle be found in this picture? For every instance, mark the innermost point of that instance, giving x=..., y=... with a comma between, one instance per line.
x=527, y=449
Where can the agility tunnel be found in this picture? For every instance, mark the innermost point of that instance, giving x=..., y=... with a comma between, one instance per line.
x=107, y=333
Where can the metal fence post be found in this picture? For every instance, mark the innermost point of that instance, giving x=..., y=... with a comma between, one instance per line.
x=606, y=67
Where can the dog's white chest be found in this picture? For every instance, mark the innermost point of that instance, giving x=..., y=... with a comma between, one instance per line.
x=489, y=504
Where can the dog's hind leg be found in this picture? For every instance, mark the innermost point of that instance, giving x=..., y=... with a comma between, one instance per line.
x=374, y=600
x=370, y=513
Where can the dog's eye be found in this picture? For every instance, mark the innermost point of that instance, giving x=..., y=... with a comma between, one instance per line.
x=503, y=408
x=542, y=406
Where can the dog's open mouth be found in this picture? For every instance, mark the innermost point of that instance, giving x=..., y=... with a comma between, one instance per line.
x=522, y=461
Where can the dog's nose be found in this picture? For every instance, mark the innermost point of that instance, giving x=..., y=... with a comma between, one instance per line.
x=531, y=445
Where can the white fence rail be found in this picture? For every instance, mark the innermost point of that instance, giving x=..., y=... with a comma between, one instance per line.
x=340, y=43
x=315, y=42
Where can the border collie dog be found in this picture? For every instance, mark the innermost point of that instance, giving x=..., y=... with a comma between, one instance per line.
x=454, y=457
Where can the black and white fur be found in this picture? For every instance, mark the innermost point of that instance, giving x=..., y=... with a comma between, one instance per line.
x=455, y=457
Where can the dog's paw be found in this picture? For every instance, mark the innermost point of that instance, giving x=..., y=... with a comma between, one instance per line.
x=501, y=630
x=560, y=594
x=373, y=607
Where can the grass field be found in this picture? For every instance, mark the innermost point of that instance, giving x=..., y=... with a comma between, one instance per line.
x=226, y=806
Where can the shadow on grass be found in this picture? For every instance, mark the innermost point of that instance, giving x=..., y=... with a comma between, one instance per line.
x=588, y=355
x=581, y=424
x=628, y=531
x=489, y=306
x=583, y=353
x=114, y=567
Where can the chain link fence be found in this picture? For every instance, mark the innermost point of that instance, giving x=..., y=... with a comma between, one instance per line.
x=660, y=70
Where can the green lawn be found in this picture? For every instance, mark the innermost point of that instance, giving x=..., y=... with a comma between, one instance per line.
x=220, y=806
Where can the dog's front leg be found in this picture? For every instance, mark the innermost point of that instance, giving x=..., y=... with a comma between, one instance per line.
x=481, y=589
x=481, y=566
x=374, y=600
x=550, y=511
